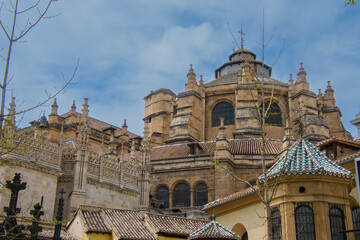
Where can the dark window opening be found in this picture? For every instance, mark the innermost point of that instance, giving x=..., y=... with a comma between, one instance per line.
x=245, y=236
x=273, y=116
x=181, y=195
x=337, y=222
x=225, y=110
x=275, y=224
x=356, y=221
x=201, y=194
x=304, y=223
x=162, y=194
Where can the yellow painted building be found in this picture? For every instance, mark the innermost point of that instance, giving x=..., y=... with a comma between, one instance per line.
x=312, y=199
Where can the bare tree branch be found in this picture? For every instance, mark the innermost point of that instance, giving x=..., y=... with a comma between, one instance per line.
x=29, y=8
x=6, y=33
x=234, y=39
x=36, y=22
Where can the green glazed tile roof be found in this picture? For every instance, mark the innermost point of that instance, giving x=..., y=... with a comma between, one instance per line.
x=304, y=158
x=213, y=230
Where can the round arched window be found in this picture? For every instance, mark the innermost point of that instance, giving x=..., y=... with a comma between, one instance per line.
x=162, y=194
x=181, y=195
x=225, y=110
x=201, y=194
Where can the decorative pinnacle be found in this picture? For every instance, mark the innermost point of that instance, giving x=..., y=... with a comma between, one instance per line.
x=291, y=77
x=54, y=107
x=124, y=125
x=301, y=66
x=73, y=107
x=85, y=109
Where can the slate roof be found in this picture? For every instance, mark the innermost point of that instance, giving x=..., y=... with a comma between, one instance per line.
x=131, y=224
x=229, y=198
x=304, y=158
x=236, y=147
x=231, y=78
x=213, y=230
x=100, y=125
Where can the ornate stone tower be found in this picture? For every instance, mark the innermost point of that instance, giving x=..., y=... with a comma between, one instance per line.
x=159, y=111
x=187, y=124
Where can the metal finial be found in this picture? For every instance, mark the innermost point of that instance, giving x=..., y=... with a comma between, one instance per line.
x=213, y=217
x=242, y=37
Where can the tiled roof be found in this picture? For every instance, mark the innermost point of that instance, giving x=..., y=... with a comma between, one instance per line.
x=348, y=157
x=177, y=226
x=354, y=143
x=304, y=158
x=93, y=220
x=232, y=197
x=100, y=125
x=213, y=230
x=236, y=147
x=128, y=224
x=131, y=224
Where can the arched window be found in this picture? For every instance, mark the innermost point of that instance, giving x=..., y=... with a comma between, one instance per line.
x=275, y=224
x=304, y=223
x=201, y=194
x=162, y=194
x=337, y=222
x=225, y=110
x=181, y=195
x=356, y=221
x=273, y=116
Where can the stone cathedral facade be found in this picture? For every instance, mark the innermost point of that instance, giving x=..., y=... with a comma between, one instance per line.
x=219, y=120
x=80, y=155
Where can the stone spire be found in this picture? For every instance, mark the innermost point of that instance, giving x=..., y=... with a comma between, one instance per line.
x=201, y=81
x=221, y=132
x=191, y=75
x=291, y=80
x=301, y=75
x=73, y=108
x=85, y=111
x=73, y=118
x=124, y=128
x=191, y=81
x=54, y=108
x=53, y=117
x=11, y=114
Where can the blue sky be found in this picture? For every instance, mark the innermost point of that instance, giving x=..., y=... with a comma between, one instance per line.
x=128, y=48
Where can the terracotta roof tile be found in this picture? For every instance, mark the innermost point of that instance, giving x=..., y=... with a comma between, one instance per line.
x=354, y=143
x=236, y=147
x=171, y=225
x=131, y=224
x=100, y=125
x=93, y=221
x=128, y=224
x=232, y=197
x=348, y=157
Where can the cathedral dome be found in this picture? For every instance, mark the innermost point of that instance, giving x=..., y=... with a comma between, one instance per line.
x=237, y=61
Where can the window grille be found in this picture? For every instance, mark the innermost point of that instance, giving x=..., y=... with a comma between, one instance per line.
x=275, y=219
x=304, y=223
x=162, y=194
x=273, y=117
x=337, y=221
x=356, y=221
x=225, y=110
x=201, y=194
x=181, y=195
